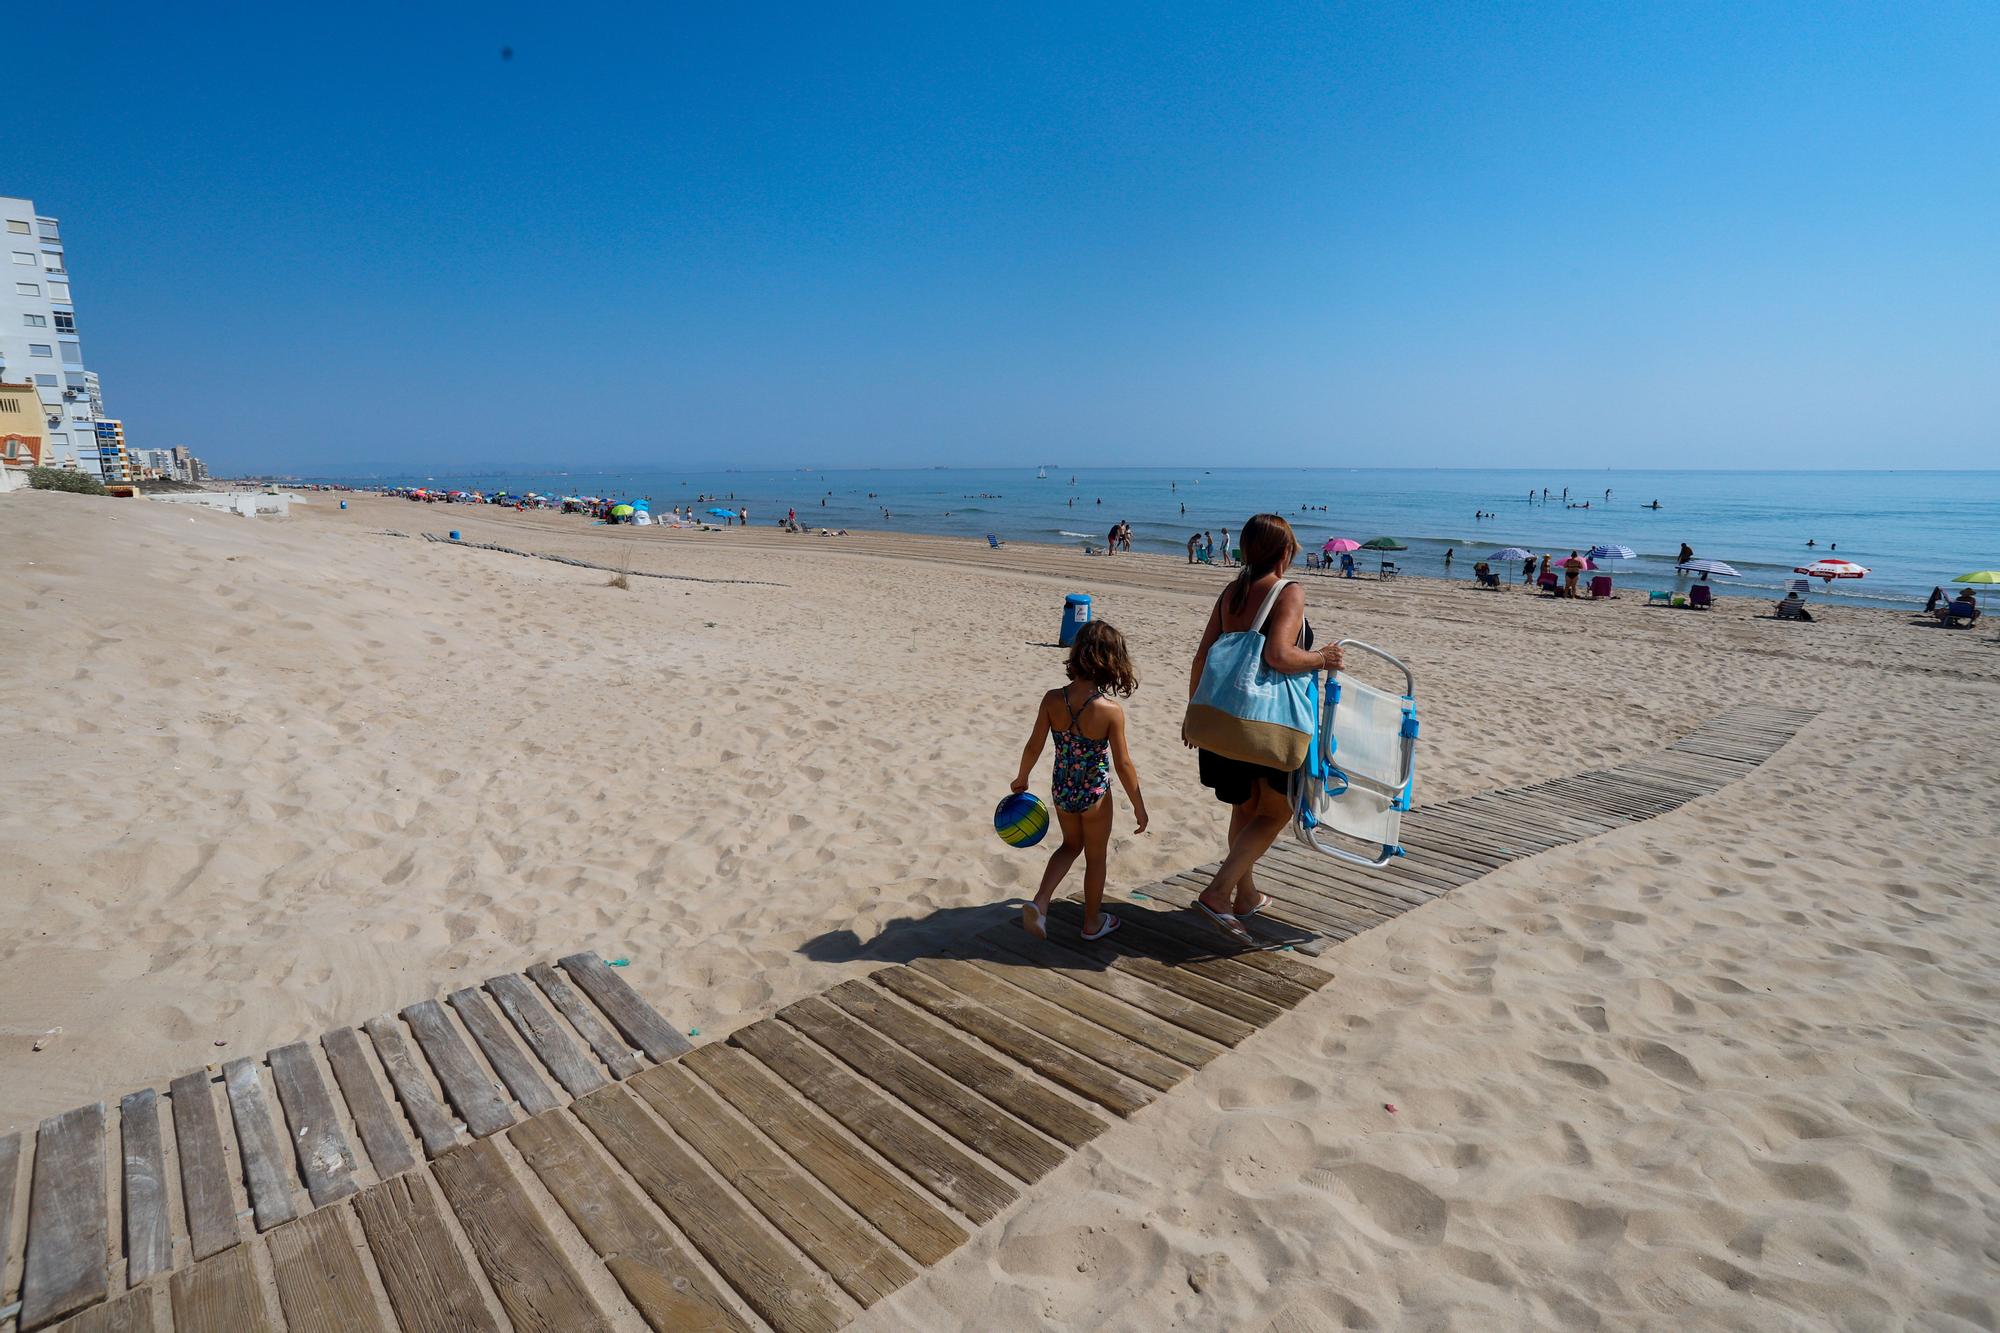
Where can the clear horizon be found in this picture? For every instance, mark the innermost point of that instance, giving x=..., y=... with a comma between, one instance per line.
x=1153, y=237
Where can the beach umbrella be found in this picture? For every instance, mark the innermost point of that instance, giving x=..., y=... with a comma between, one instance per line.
x=1340, y=545
x=1382, y=544
x=1512, y=554
x=1707, y=567
x=1979, y=576
x=1831, y=570
x=621, y=511
x=1612, y=552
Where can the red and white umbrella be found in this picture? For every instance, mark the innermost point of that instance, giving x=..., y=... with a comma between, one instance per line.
x=1831, y=570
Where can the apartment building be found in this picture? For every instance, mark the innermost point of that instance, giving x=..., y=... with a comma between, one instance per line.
x=40, y=343
x=20, y=434
x=113, y=462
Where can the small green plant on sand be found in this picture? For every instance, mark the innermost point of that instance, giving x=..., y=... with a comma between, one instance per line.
x=62, y=479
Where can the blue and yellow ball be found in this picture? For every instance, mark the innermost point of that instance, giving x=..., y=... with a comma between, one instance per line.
x=1021, y=819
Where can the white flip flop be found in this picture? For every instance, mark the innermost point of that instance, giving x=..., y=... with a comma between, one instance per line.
x=1105, y=927
x=1225, y=922
x=1034, y=922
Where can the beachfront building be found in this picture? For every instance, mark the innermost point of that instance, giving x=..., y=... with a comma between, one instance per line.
x=21, y=434
x=39, y=340
x=113, y=462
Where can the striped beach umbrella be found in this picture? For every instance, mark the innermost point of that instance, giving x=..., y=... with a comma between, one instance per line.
x=1831, y=570
x=1707, y=567
x=1612, y=552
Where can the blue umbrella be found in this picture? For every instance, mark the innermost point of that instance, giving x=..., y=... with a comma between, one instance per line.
x=723, y=513
x=1613, y=552
x=1512, y=553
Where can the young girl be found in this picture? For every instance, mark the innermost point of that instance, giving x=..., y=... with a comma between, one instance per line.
x=1089, y=727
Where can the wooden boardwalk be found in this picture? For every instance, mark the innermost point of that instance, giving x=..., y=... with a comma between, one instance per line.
x=545, y=1151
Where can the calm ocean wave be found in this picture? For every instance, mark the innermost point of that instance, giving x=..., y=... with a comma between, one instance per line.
x=1913, y=529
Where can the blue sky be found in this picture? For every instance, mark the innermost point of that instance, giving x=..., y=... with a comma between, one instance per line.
x=1664, y=234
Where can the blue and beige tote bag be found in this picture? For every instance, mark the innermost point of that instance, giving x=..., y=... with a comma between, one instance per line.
x=1244, y=710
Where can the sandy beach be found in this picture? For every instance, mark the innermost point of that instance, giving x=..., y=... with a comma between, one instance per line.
x=1738, y=1067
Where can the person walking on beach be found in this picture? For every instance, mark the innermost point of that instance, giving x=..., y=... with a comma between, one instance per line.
x=1260, y=599
x=1572, y=570
x=1089, y=728
x=1225, y=547
x=1528, y=570
x=1193, y=542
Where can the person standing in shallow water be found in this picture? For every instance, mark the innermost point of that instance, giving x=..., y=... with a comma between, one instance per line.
x=1259, y=798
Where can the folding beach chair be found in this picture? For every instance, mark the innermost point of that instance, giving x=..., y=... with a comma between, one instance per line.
x=1360, y=774
x=994, y=542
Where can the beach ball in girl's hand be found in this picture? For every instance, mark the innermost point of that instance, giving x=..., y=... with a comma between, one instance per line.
x=1021, y=819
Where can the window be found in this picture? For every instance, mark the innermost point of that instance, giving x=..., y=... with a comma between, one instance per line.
x=28, y=288
x=72, y=353
x=14, y=446
x=59, y=291
x=16, y=226
x=36, y=321
x=52, y=263
x=48, y=231
x=65, y=322
x=23, y=257
x=74, y=378
x=40, y=349
x=10, y=405
x=46, y=381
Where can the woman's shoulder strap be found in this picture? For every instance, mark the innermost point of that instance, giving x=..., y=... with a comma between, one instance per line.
x=1270, y=600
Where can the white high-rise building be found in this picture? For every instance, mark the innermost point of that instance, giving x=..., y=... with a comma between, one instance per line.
x=39, y=341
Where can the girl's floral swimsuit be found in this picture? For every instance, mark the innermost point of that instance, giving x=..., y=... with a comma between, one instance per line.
x=1083, y=766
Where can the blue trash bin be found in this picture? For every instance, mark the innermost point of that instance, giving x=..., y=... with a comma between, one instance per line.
x=343, y=504
x=1076, y=614
x=454, y=534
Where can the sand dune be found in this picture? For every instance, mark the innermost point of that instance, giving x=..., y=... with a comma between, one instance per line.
x=1733, y=1068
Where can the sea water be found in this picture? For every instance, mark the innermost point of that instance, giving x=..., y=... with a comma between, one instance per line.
x=1913, y=530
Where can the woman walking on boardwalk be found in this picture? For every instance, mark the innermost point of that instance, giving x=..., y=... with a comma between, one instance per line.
x=1262, y=600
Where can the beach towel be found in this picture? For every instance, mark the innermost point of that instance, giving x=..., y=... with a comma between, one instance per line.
x=1244, y=710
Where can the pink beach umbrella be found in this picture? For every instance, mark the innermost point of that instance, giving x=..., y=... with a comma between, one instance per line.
x=1340, y=546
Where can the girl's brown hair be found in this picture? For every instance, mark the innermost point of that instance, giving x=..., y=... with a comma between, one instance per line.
x=1268, y=547
x=1098, y=655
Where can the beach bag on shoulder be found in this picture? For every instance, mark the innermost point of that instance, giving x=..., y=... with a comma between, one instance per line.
x=1244, y=710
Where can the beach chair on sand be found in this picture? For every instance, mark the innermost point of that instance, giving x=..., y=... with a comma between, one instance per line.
x=1700, y=598
x=994, y=542
x=1360, y=775
x=1388, y=570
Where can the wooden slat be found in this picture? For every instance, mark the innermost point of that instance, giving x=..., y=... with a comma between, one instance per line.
x=321, y=1285
x=205, y=1192
x=999, y=1081
x=952, y=1107
x=130, y=1313
x=149, y=1237
x=68, y=1221
x=866, y=1267
x=1156, y=1000
x=515, y=1069
x=897, y=1211
x=468, y=1087
x=642, y=1024
x=434, y=1125
x=257, y=1144
x=381, y=1129
x=1127, y=1057
x=618, y=1057
x=1094, y=1006
x=933, y=1162
x=665, y=1284
x=221, y=1295
x=10, y=1171
x=789, y=1294
x=429, y=1285
x=1114, y=953
x=1294, y=978
x=557, y=1050
x=539, y=1290
x=325, y=1163
x=1081, y=1075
